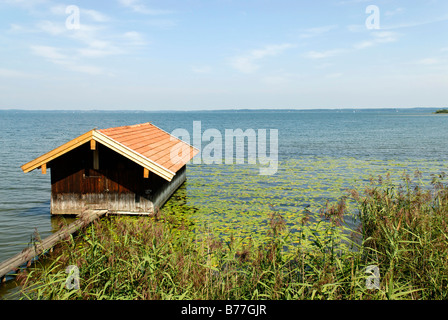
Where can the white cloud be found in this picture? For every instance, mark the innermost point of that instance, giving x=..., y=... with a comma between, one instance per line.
x=54, y=55
x=378, y=38
x=137, y=6
x=50, y=53
x=323, y=54
x=27, y=4
x=95, y=15
x=95, y=53
x=98, y=43
x=8, y=73
x=356, y=28
x=275, y=80
x=92, y=15
x=134, y=38
x=428, y=61
x=394, y=12
x=415, y=23
x=385, y=36
x=334, y=75
x=98, y=47
x=13, y=27
x=313, y=32
x=93, y=36
x=364, y=44
x=93, y=40
x=58, y=9
x=51, y=28
x=201, y=69
x=88, y=69
x=248, y=63
x=324, y=65
x=352, y=2
x=90, y=35
x=244, y=64
x=162, y=23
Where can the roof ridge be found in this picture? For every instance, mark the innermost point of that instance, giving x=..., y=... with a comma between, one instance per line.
x=125, y=126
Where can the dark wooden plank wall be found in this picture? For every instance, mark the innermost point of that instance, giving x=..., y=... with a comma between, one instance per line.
x=118, y=184
x=73, y=173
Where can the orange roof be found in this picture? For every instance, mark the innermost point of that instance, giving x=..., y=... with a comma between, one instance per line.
x=145, y=144
x=152, y=143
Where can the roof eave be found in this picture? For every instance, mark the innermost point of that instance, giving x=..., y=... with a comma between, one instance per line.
x=53, y=154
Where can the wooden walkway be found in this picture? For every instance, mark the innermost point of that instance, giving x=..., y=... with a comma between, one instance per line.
x=30, y=253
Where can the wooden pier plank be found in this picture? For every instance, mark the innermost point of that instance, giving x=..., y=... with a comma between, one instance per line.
x=29, y=253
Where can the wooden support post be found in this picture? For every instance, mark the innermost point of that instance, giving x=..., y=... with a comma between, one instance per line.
x=96, y=160
x=145, y=173
x=92, y=144
x=44, y=168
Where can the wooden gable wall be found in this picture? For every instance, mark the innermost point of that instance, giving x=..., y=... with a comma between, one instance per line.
x=117, y=184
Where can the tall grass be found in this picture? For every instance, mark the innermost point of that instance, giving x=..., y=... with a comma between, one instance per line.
x=403, y=231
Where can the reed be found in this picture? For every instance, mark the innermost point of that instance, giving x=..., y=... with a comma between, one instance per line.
x=405, y=233
x=402, y=230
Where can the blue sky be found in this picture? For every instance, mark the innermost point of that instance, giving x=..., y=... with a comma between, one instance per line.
x=222, y=54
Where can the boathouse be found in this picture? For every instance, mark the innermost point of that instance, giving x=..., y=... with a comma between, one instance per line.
x=125, y=170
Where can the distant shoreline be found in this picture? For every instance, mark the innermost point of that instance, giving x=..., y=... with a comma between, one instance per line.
x=342, y=110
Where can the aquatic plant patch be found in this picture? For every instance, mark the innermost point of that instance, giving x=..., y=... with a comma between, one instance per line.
x=235, y=201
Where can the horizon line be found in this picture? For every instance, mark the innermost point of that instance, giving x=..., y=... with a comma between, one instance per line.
x=217, y=110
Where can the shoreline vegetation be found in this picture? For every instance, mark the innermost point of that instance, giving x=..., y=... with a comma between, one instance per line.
x=441, y=111
x=402, y=231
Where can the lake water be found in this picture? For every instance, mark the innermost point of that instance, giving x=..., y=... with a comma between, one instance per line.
x=320, y=154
